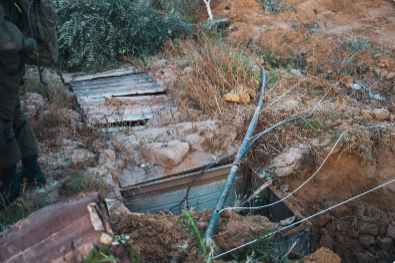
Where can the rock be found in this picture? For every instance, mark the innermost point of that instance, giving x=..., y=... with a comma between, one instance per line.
x=366, y=241
x=338, y=227
x=381, y=114
x=367, y=114
x=296, y=72
x=384, y=243
x=380, y=73
x=383, y=256
x=195, y=142
x=392, y=118
x=166, y=154
x=326, y=241
x=353, y=234
x=390, y=76
x=322, y=219
x=226, y=213
x=391, y=232
x=370, y=229
x=358, y=210
x=346, y=80
x=366, y=258
x=341, y=211
x=330, y=229
x=285, y=163
x=110, y=154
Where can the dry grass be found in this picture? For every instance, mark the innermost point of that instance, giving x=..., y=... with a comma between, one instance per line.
x=218, y=68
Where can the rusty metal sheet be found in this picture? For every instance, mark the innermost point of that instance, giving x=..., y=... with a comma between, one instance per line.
x=48, y=234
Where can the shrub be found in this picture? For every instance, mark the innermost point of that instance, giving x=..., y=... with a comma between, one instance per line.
x=93, y=35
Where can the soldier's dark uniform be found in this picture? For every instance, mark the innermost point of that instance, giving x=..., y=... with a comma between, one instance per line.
x=17, y=139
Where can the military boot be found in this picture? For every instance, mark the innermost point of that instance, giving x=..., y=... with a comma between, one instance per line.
x=10, y=186
x=31, y=171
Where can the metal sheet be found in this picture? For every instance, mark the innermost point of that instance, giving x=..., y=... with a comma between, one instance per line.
x=125, y=108
x=127, y=69
x=53, y=232
x=162, y=194
x=129, y=98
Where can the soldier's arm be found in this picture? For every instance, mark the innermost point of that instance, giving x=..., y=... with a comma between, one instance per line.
x=11, y=38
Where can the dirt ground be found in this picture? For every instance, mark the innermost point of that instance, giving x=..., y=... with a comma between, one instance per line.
x=321, y=32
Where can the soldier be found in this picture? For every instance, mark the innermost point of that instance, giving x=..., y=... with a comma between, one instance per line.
x=17, y=140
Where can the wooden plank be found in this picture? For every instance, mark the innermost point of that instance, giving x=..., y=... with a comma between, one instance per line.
x=77, y=77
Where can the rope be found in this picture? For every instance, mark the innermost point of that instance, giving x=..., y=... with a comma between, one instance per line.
x=305, y=219
x=297, y=189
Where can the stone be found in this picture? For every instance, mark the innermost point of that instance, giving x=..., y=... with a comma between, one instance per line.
x=322, y=219
x=338, y=227
x=226, y=213
x=366, y=258
x=381, y=114
x=110, y=154
x=166, y=154
x=390, y=76
x=392, y=118
x=330, y=229
x=326, y=241
x=341, y=211
x=358, y=210
x=353, y=234
x=380, y=73
x=195, y=141
x=370, y=229
x=366, y=241
x=296, y=72
x=384, y=256
x=391, y=232
x=367, y=114
x=384, y=243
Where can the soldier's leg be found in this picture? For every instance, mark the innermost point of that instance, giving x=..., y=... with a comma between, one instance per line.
x=28, y=146
x=10, y=154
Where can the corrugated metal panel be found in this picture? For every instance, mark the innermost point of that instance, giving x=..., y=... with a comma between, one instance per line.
x=52, y=233
x=118, y=95
x=127, y=69
x=161, y=195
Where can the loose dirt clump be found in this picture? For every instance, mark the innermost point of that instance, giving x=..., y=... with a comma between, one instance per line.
x=163, y=238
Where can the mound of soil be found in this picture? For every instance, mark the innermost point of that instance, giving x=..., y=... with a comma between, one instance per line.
x=163, y=238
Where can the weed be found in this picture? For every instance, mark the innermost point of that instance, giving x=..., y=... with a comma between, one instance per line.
x=262, y=250
x=22, y=208
x=80, y=182
x=95, y=256
x=193, y=230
